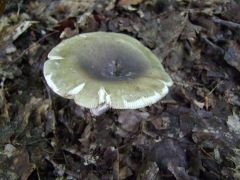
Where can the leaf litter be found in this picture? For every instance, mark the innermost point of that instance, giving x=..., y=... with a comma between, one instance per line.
x=191, y=134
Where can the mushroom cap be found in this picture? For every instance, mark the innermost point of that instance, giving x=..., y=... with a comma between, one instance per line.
x=104, y=68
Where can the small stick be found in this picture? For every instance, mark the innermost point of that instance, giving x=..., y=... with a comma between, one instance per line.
x=229, y=24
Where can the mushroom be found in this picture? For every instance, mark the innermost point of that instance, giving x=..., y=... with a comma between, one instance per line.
x=103, y=70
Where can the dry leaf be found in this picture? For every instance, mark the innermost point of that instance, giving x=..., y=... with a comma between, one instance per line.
x=2, y=6
x=232, y=55
x=129, y=2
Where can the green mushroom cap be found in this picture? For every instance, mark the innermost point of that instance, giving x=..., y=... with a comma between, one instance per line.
x=104, y=68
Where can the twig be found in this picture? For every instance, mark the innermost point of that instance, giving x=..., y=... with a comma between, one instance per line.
x=30, y=47
x=73, y=174
x=229, y=24
x=205, y=152
x=38, y=176
x=116, y=166
x=5, y=105
x=19, y=7
x=214, y=46
x=214, y=88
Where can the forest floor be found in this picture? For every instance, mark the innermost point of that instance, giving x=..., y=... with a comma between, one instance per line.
x=193, y=133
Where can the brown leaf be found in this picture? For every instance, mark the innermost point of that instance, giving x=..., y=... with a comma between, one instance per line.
x=169, y=154
x=129, y=2
x=22, y=165
x=167, y=40
x=149, y=171
x=2, y=6
x=232, y=55
x=232, y=11
x=130, y=120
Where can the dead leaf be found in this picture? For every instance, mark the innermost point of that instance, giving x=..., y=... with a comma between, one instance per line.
x=236, y=159
x=167, y=40
x=59, y=169
x=232, y=55
x=130, y=120
x=129, y=2
x=68, y=32
x=2, y=6
x=149, y=171
x=22, y=28
x=168, y=154
x=9, y=150
x=21, y=165
x=233, y=123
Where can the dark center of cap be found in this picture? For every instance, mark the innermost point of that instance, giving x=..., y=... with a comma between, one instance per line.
x=112, y=61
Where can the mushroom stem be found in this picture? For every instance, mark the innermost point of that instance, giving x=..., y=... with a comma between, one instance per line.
x=99, y=110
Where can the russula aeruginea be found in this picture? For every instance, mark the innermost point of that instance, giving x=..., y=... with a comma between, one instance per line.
x=104, y=69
